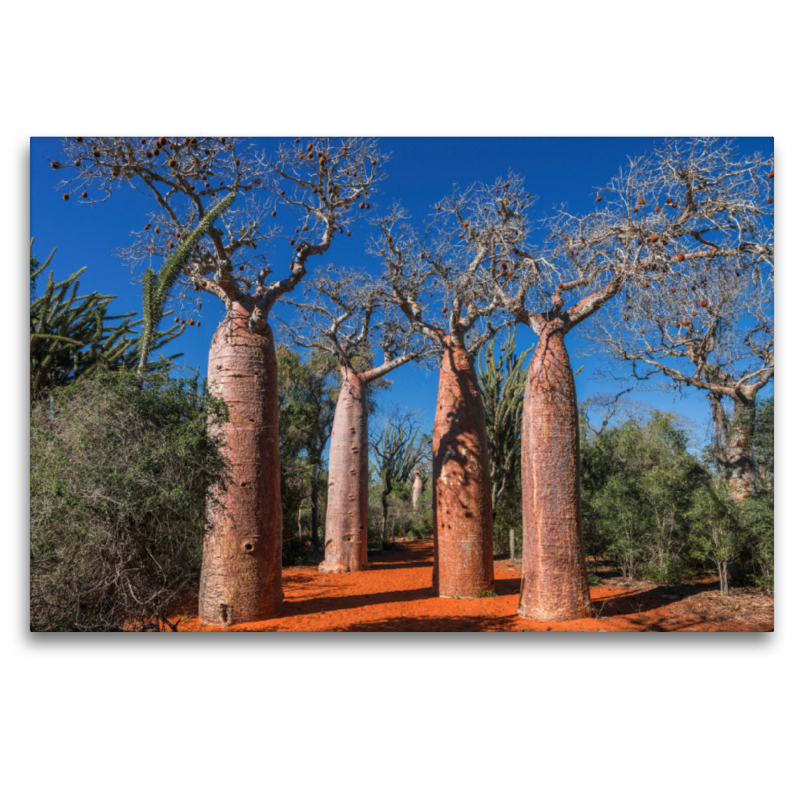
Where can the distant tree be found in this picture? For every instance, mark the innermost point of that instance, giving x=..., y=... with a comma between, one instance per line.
x=345, y=313
x=308, y=393
x=398, y=451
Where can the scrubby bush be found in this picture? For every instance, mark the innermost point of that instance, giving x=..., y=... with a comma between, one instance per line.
x=120, y=475
x=638, y=483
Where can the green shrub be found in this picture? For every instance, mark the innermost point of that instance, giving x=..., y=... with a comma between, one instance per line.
x=120, y=475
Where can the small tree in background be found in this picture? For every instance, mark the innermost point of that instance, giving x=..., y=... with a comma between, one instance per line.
x=398, y=452
x=308, y=394
x=717, y=529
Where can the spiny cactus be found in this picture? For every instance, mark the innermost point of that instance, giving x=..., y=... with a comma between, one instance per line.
x=70, y=336
x=156, y=288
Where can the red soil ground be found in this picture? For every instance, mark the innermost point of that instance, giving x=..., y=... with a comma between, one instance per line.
x=395, y=594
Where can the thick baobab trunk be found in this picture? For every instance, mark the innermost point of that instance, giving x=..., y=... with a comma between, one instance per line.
x=241, y=574
x=554, y=583
x=734, y=442
x=346, y=523
x=462, y=506
x=739, y=453
x=419, y=488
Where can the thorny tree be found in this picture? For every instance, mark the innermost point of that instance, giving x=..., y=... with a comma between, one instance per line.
x=441, y=263
x=709, y=326
x=656, y=222
x=345, y=313
x=322, y=181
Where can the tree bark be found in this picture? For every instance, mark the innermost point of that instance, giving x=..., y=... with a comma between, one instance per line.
x=419, y=487
x=346, y=523
x=739, y=453
x=554, y=584
x=734, y=442
x=241, y=573
x=462, y=505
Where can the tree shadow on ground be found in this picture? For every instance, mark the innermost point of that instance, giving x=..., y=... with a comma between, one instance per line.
x=375, y=565
x=321, y=603
x=650, y=599
x=506, y=586
x=433, y=624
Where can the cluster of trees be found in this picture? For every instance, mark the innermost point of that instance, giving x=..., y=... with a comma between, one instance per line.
x=684, y=236
x=661, y=512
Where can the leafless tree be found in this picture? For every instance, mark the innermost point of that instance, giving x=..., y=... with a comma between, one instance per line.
x=707, y=325
x=399, y=450
x=653, y=225
x=345, y=315
x=441, y=262
x=326, y=184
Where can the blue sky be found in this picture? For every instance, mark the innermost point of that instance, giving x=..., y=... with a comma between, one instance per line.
x=419, y=172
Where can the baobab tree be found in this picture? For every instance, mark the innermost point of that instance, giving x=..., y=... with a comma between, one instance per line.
x=441, y=262
x=346, y=313
x=321, y=181
x=655, y=223
x=710, y=328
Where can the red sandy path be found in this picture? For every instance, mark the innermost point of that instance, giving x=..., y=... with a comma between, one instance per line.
x=395, y=594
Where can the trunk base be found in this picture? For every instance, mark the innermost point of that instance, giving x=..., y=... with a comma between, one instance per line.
x=334, y=568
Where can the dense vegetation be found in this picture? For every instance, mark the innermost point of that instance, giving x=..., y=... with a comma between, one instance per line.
x=121, y=470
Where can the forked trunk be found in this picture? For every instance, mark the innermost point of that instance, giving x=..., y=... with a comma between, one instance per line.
x=346, y=521
x=241, y=574
x=462, y=505
x=554, y=583
x=418, y=489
